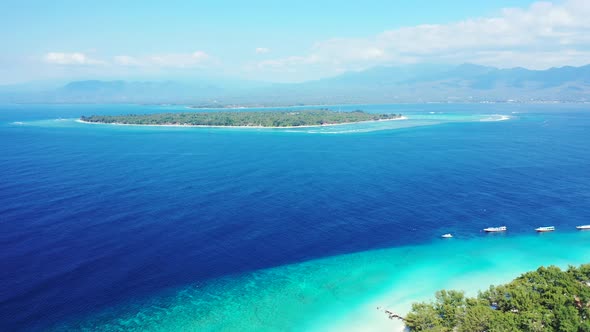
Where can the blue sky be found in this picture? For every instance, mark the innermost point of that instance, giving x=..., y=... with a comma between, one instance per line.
x=279, y=40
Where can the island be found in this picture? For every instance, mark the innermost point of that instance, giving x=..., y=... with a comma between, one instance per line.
x=264, y=119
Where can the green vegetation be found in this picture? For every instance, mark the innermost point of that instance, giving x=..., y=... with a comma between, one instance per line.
x=247, y=119
x=544, y=300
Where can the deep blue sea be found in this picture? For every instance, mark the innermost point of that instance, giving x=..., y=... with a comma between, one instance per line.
x=95, y=217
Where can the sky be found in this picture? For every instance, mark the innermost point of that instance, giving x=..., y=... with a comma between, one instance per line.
x=280, y=41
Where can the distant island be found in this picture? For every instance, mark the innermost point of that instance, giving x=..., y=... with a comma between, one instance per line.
x=266, y=119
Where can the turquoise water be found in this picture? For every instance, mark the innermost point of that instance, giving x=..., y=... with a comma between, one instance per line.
x=413, y=119
x=342, y=293
x=206, y=229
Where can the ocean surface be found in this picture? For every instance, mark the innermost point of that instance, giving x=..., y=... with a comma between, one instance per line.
x=130, y=228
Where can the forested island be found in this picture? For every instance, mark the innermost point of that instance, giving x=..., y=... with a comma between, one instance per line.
x=269, y=119
x=547, y=299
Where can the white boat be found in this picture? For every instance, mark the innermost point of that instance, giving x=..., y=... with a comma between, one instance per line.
x=447, y=236
x=545, y=229
x=583, y=227
x=495, y=229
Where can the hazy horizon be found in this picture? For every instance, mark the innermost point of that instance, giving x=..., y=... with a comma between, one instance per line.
x=377, y=85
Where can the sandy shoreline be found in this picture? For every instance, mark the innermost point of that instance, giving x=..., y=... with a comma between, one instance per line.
x=468, y=265
x=237, y=127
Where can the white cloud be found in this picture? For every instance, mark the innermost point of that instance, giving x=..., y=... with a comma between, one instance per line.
x=541, y=59
x=290, y=61
x=170, y=60
x=262, y=50
x=197, y=59
x=75, y=58
x=179, y=60
x=126, y=60
x=543, y=35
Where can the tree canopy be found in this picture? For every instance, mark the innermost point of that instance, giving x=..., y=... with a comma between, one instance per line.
x=547, y=299
x=240, y=118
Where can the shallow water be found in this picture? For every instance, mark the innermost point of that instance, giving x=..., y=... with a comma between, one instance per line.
x=343, y=292
x=109, y=227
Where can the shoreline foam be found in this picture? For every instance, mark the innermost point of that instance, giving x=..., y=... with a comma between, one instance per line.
x=501, y=118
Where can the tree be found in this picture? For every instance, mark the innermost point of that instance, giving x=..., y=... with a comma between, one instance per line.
x=547, y=299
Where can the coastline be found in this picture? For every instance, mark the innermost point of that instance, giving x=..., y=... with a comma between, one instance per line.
x=238, y=127
x=470, y=266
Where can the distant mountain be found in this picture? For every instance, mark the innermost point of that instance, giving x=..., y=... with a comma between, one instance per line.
x=412, y=83
x=133, y=92
x=142, y=92
x=463, y=83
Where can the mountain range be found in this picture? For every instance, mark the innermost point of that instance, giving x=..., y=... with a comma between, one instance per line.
x=411, y=83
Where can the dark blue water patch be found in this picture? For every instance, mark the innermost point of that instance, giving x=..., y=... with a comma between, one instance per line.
x=94, y=216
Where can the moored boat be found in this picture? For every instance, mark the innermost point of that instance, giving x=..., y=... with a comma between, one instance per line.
x=583, y=227
x=545, y=229
x=495, y=229
x=447, y=236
